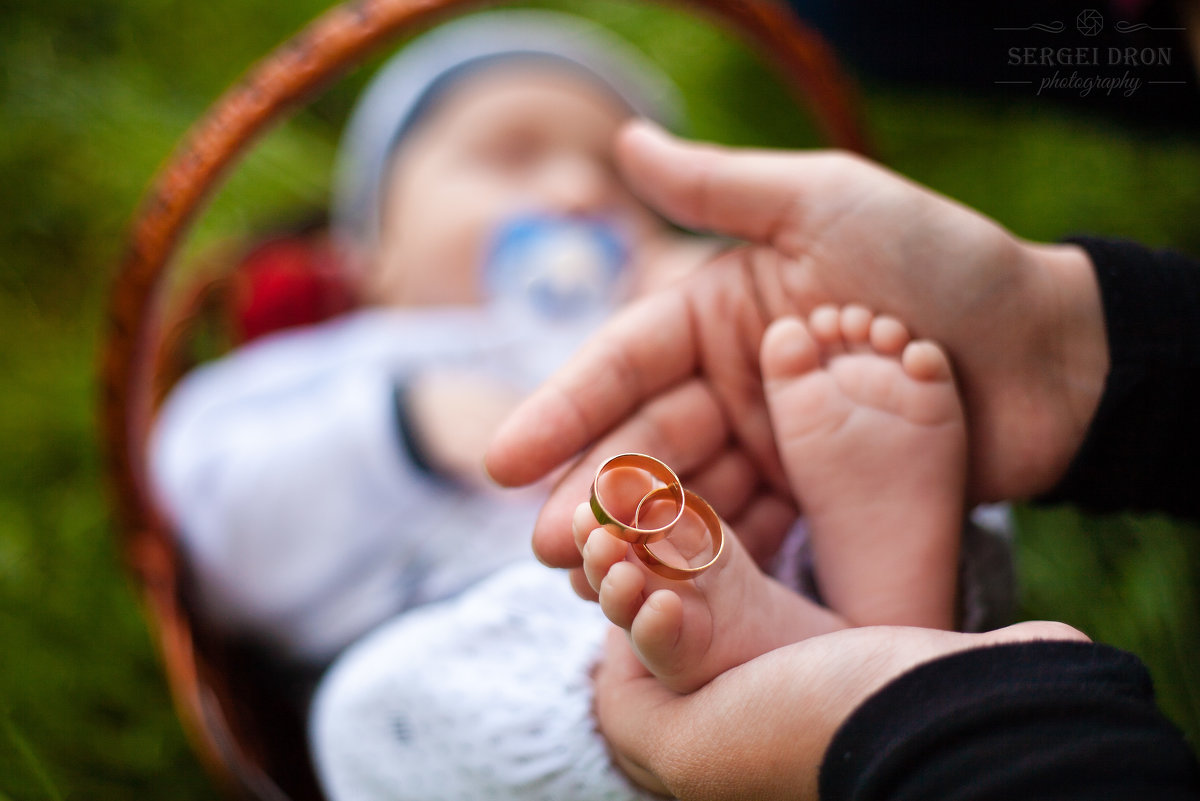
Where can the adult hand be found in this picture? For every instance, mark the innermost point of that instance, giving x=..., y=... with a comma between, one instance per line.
x=785, y=707
x=677, y=374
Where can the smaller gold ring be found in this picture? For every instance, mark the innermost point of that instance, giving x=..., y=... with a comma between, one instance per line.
x=658, y=470
x=715, y=529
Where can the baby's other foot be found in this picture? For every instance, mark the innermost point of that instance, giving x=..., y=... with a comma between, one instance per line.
x=688, y=632
x=872, y=435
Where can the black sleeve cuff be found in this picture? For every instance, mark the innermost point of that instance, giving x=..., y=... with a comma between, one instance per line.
x=1060, y=720
x=1141, y=448
x=408, y=434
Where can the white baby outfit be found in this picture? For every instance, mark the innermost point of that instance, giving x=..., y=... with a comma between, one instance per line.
x=485, y=696
x=307, y=526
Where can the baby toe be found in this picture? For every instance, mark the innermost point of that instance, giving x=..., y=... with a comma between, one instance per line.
x=925, y=361
x=888, y=335
x=788, y=350
x=855, y=323
x=621, y=594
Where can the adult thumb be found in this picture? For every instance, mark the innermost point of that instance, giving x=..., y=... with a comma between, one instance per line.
x=756, y=195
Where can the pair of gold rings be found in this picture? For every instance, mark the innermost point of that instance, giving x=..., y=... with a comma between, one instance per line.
x=641, y=538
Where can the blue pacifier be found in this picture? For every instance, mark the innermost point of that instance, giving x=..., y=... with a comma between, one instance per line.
x=555, y=269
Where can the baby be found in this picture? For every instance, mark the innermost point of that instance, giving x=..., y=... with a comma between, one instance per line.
x=326, y=483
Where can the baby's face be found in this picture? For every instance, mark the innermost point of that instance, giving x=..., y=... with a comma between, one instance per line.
x=514, y=140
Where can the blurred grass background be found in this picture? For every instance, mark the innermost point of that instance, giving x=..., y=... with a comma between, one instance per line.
x=92, y=98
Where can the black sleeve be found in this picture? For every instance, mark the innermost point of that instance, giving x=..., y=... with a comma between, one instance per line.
x=1140, y=453
x=1043, y=720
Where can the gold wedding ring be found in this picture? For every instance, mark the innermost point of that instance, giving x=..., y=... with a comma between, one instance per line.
x=640, y=538
x=711, y=521
x=657, y=469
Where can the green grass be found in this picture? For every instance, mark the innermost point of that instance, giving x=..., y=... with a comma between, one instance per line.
x=92, y=98
x=1125, y=580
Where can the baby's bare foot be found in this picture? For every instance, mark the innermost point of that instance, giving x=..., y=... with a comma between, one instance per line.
x=872, y=435
x=688, y=632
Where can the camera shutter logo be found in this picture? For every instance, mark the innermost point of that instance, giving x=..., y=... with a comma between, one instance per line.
x=1089, y=22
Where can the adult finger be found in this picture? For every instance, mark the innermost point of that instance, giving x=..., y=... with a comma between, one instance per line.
x=764, y=523
x=1033, y=630
x=757, y=195
x=728, y=482
x=643, y=350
